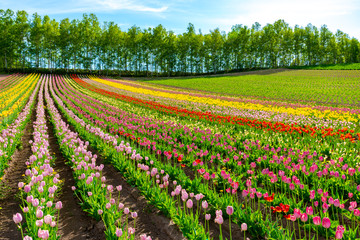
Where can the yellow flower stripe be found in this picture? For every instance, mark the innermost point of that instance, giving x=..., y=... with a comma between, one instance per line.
x=20, y=92
x=343, y=116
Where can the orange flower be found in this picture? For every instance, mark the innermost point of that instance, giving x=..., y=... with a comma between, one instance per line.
x=270, y=199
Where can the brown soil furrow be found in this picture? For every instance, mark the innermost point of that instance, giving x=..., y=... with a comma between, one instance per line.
x=9, y=202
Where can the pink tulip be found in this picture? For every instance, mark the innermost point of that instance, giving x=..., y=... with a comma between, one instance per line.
x=357, y=212
x=219, y=219
x=144, y=237
x=297, y=213
x=39, y=213
x=39, y=223
x=189, y=203
x=131, y=230
x=48, y=219
x=134, y=215
x=325, y=206
x=304, y=217
x=207, y=217
x=230, y=210
x=317, y=220
x=53, y=224
x=58, y=205
x=338, y=234
x=126, y=210
x=340, y=228
x=326, y=222
x=243, y=227
x=309, y=211
x=43, y=234
x=35, y=202
x=27, y=188
x=204, y=204
x=49, y=204
x=118, y=232
x=17, y=218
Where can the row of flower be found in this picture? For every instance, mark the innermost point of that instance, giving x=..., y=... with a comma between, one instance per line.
x=154, y=186
x=300, y=184
x=10, y=136
x=296, y=136
x=327, y=82
x=264, y=115
x=98, y=198
x=348, y=116
x=12, y=100
x=214, y=198
x=41, y=183
x=308, y=169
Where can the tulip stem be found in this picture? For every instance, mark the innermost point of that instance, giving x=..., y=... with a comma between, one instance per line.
x=317, y=234
x=230, y=226
x=326, y=234
x=294, y=229
x=220, y=232
x=22, y=234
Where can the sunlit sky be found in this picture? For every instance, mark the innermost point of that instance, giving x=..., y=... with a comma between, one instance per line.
x=204, y=14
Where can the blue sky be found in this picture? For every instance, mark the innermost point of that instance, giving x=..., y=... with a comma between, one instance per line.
x=204, y=14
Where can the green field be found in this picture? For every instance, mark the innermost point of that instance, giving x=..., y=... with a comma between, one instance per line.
x=333, y=87
x=347, y=66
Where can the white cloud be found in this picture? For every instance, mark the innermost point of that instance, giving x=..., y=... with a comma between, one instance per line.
x=81, y=6
x=334, y=13
x=110, y=5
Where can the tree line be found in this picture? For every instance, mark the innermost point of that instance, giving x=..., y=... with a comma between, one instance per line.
x=42, y=43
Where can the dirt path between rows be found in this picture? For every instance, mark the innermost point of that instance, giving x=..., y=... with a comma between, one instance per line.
x=9, y=201
x=74, y=223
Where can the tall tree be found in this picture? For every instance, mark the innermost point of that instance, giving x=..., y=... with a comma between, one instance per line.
x=6, y=36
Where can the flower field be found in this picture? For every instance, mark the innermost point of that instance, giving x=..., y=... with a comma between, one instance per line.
x=277, y=161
